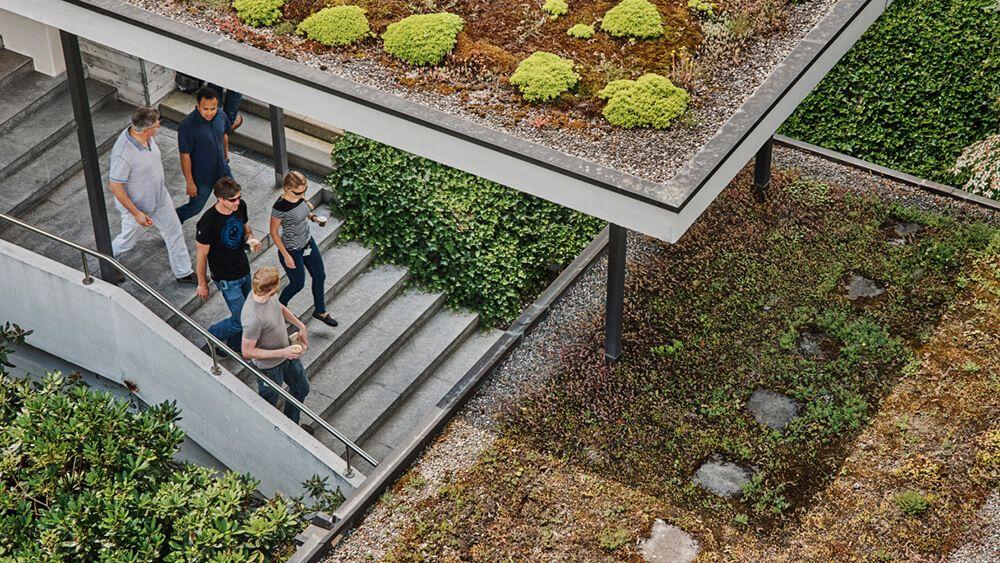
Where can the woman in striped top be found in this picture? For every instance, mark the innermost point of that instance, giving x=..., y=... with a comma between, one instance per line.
x=298, y=250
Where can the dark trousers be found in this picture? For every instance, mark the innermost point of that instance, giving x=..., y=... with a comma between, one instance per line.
x=313, y=263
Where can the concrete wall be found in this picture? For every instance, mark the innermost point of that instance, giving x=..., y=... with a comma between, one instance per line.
x=33, y=39
x=138, y=82
x=102, y=328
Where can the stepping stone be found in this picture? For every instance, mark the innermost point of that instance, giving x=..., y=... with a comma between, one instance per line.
x=771, y=409
x=816, y=344
x=722, y=478
x=859, y=287
x=904, y=232
x=668, y=544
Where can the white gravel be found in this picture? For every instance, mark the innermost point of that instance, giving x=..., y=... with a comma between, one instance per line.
x=984, y=547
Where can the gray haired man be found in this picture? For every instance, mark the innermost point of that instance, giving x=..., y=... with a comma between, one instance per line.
x=137, y=181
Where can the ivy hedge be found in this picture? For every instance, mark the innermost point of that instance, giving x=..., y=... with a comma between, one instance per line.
x=489, y=247
x=918, y=87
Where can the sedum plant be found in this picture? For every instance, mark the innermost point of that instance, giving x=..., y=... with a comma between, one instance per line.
x=581, y=31
x=633, y=18
x=336, y=26
x=423, y=39
x=259, y=13
x=703, y=8
x=544, y=76
x=651, y=101
x=555, y=8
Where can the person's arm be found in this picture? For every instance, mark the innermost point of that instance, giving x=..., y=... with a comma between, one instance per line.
x=225, y=146
x=289, y=261
x=252, y=352
x=291, y=318
x=190, y=187
x=118, y=189
x=201, y=265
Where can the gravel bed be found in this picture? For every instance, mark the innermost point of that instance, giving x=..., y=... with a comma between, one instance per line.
x=985, y=545
x=655, y=155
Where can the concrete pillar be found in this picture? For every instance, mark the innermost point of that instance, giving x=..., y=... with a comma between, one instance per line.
x=33, y=39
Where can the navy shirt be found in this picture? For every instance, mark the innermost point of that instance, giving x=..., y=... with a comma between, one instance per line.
x=203, y=141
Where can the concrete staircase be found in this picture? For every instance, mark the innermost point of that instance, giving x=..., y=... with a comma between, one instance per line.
x=397, y=350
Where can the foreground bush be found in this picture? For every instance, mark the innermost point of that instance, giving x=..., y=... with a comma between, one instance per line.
x=337, y=26
x=487, y=246
x=650, y=101
x=424, y=39
x=259, y=13
x=544, y=76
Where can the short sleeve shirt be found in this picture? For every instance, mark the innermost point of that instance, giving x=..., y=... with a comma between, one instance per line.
x=264, y=323
x=140, y=169
x=203, y=141
x=295, y=232
x=225, y=236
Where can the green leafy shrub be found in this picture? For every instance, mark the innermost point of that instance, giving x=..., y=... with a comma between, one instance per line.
x=633, y=18
x=703, y=8
x=487, y=246
x=423, y=39
x=650, y=101
x=544, y=76
x=555, y=8
x=912, y=503
x=918, y=87
x=336, y=26
x=258, y=13
x=581, y=31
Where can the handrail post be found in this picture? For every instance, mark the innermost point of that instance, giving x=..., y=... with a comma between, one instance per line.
x=87, y=280
x=347, y=459
x=215, y=360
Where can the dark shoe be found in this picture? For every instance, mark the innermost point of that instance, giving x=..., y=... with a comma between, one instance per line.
x=117, y=278
x=189, y=279
x=309, y=429
x=236, y=124
x=326, y=318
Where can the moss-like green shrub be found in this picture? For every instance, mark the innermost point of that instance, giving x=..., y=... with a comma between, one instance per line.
x=703, y=8
x=650, y=101
x=336, y=26
x=555, y=8
x=912, y=503
x=258, y=13
x=489, y=247
x=423, y=39
x=543, y=76
x=581, y=31
x=633, y=18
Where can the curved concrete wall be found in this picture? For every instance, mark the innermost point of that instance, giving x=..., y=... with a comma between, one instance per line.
x=104, y=329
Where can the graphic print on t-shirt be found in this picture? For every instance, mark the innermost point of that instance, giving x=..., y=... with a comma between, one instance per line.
x=232, y=232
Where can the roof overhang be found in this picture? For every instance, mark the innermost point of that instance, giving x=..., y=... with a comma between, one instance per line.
x=603, y=192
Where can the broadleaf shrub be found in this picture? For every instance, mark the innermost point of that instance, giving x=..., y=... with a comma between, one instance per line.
x=916, y=89
x=259, y=13
x=544, y=76
x=581, y=31
x=336, y=26
x=486, y=245
x=633, y=18
x=423, y=39
x=650, y=101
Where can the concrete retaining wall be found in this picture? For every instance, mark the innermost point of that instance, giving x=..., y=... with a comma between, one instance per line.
x=102, y=328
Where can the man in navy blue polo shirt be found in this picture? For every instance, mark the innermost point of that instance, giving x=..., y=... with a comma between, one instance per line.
x=204, y=147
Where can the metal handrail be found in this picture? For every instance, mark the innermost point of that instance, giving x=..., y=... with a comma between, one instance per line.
x=213, y=341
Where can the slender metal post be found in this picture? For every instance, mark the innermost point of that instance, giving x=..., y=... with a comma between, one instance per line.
x=215, y=360
x=347, y=460
x=279, y=144
x=87, y=280
x=762, y=171
x=616, y=293
x=88, y=148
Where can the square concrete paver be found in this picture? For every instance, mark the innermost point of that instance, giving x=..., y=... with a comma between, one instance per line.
x=668, y=544
x=771, y=409
x=722, y=478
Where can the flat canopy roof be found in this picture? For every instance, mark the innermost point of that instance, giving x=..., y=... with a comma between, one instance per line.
x=657, y=205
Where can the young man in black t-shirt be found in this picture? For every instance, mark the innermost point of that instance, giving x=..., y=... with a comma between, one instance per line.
x=222, y=232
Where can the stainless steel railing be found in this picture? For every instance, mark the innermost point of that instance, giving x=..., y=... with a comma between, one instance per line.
x=213, y=342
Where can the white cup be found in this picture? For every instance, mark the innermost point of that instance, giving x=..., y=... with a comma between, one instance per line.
x=254, y=244
x=321, y=221
x=297, y=348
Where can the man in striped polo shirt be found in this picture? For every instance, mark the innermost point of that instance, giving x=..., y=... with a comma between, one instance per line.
x=137, y=182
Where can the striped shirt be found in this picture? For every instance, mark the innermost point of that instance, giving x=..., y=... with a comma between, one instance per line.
x=140, y=169
x=295, y=232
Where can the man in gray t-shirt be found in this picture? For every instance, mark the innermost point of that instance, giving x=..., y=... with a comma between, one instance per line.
x=266, y=343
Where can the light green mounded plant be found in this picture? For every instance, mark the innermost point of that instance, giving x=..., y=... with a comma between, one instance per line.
x=651, y=101
x=635, y=19
x=912, y=503
x=703, y=8
x=259, y=13
x=581, y=31
x=544, y=76
x=336, y=26
x=555, y=8
x=423, y=39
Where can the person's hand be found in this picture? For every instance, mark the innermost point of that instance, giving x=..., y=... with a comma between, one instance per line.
x=142, y=219
x=303, y=337
x=290, y=353
x=202, y=292
x=289, y=261
x=192, y=189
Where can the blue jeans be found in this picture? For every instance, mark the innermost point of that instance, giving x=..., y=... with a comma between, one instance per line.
x=297, y=276
x=230, y=100
x=292, y=373
x=230, y=330
x=195, y=204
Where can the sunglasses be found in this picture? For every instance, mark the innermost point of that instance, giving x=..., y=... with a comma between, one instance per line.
x=299, y=193
x=233, y=199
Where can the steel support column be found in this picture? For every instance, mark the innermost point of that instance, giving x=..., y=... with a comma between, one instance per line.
x=88, y=148
x=762, y=171
x=279, y=144
x=616, y=293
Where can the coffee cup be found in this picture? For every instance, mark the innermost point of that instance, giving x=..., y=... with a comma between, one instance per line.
x=254, y=244
x=321, y=221
x=297, y=348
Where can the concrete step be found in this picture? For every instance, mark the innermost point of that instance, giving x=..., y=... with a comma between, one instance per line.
x=377, y=399
x=50, y=122
x=41, y=176
x=394, y=430
x=294, y=121
x=304, y=151
x=13, y=67
x=368, y=351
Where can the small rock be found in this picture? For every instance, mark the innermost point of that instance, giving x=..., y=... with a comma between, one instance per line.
x=668, y=544
x=771, y=409
x=906, y=229
x=859, y=286
x=722, y=478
